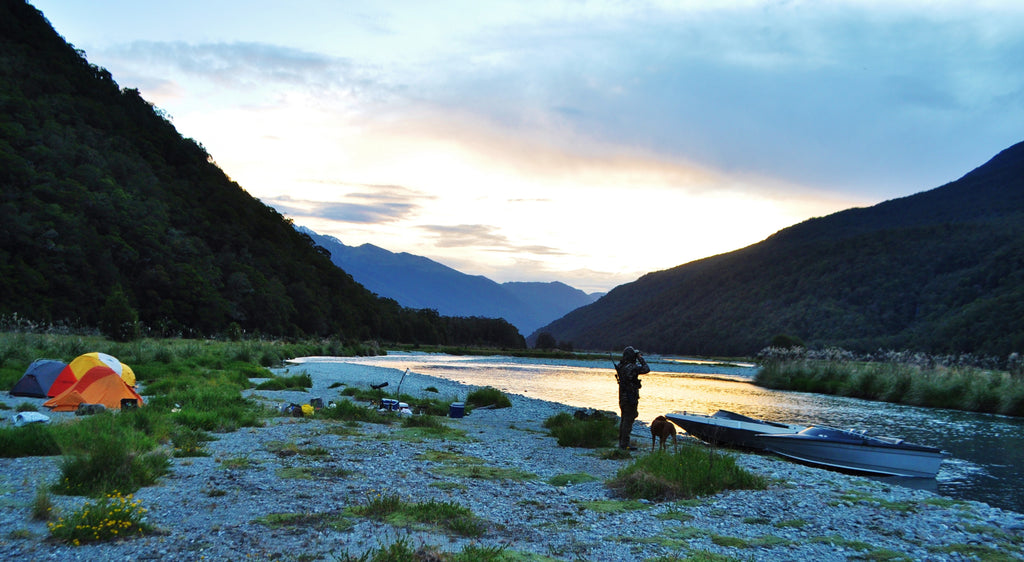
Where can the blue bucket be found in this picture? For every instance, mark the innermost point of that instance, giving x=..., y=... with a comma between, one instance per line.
x=456, y=410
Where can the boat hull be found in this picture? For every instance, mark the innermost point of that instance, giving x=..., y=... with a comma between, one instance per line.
x=870, y=455
x=727, y=428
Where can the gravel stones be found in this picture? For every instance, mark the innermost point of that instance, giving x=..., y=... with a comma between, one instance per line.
x=222, y=507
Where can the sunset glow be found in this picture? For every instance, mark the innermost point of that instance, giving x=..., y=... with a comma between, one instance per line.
x=584, y=143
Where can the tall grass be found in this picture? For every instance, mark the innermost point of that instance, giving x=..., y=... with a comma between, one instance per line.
x=691, y=471
x=917, y=383
x=32, y=440
x=192, y=387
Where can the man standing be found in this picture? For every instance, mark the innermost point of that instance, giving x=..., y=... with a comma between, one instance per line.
x=627, y=373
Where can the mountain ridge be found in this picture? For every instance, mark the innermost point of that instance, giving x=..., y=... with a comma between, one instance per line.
x=940, y=271
x=419, y=282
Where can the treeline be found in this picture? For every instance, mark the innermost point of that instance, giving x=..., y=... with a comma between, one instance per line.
x=940, y=272
x=101, y=197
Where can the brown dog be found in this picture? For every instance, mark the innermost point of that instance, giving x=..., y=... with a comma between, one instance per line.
x=662, y=428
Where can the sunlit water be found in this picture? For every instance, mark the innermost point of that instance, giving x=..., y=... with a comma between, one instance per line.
x=988, y=451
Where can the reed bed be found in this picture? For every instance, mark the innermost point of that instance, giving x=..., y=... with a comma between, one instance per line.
x=913, y=379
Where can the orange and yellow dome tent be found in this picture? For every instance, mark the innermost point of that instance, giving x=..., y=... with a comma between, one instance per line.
x=99, y=385
x=81, y=365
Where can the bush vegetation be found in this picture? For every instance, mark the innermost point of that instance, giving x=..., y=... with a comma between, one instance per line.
x=488, y=396
x=193, y=388
x=692, y=470
x=592, y=433
x=103, y=454
x=32, y=440
x=294, y=382
x=113, y=516
x=902, y=378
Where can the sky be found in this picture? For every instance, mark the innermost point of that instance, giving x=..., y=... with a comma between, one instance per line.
x=587, y=142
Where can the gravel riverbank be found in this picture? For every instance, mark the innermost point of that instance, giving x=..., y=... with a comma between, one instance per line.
x=217, y=507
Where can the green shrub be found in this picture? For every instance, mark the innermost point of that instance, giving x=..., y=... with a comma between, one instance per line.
x=488, y=396
x=11, y=375
x=296, y=382
x=590, y=433
x=151, y=421
x=692, y=471
x=118, y=320
x=102, y=455
x=348, y=410
x=272, y=384
x=190, y=442
x=112, y=517
x=32, y=440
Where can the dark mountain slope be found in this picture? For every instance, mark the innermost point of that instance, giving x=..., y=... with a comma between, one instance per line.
x=419, y=282
x=548, y=300
x=941, y=271
x=99, y=191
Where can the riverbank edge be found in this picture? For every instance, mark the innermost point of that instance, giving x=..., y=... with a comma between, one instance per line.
x=207, y=510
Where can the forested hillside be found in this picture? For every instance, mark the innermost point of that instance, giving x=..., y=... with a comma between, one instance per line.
x=940, y=272
x=101, y=197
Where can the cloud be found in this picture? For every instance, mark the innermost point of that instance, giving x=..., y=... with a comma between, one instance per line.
x=370, y=204
x=860, y=96
x=248, y=69
x=484, y=237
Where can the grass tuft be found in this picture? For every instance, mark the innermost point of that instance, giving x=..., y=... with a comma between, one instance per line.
x=690, y=472
x=488, y=396
x=444, y=515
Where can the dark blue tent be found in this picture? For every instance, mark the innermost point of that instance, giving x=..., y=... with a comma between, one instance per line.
x=38, y=378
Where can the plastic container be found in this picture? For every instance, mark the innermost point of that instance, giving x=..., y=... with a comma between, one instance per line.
x=457, y=410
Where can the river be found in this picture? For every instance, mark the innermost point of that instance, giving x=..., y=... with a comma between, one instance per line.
x=987, y=462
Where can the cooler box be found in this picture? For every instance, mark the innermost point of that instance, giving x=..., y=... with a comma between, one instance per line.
x=457, y=410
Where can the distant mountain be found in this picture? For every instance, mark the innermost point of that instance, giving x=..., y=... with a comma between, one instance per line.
x=110, y=217
x=941, y=271
x=419, y=282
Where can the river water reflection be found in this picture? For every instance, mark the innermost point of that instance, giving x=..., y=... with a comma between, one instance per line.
x=988, y=451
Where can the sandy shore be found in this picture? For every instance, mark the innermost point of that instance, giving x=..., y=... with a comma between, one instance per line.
x=220, y=507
